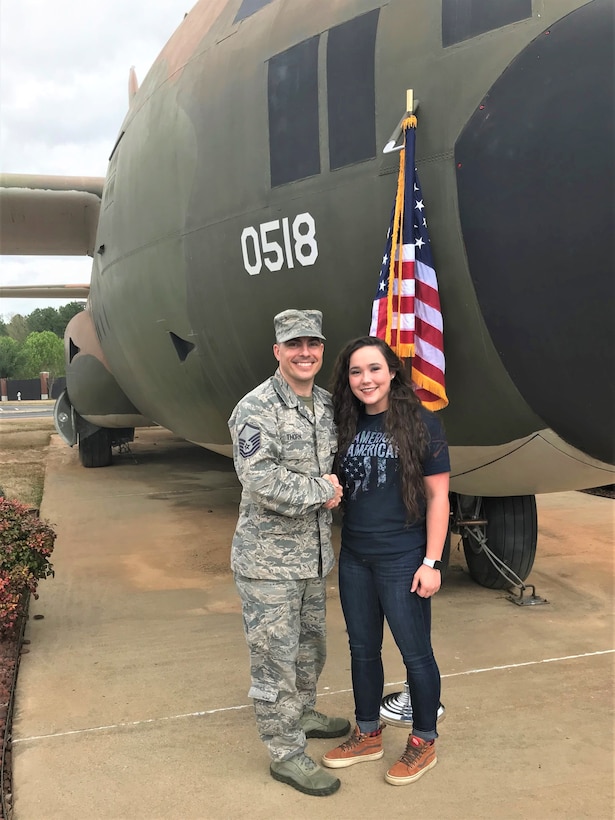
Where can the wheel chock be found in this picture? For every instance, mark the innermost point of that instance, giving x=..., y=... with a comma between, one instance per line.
x=527, y=600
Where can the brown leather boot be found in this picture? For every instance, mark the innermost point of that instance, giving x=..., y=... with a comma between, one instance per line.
x=358, y=748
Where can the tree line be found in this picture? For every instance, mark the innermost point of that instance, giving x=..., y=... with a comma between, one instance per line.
x=34, y=343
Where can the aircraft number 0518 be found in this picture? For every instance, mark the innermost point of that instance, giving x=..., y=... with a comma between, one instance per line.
x=279, y=243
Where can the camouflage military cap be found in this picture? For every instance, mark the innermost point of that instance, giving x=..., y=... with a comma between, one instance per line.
x=291, y=324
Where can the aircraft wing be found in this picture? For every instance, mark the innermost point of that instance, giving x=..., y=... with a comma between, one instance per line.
x=49, y=215
x=45, y=292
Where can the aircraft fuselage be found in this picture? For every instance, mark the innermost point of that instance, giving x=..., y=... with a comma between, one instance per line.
x=249, y=177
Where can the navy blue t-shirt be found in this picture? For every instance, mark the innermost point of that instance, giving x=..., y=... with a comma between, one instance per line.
x=375, y=518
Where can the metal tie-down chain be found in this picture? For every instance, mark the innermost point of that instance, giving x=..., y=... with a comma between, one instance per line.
x=475, y=530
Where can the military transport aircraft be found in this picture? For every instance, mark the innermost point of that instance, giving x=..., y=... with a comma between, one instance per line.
x=249, y=176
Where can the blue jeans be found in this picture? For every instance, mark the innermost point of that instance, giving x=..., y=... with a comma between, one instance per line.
x=372, y=588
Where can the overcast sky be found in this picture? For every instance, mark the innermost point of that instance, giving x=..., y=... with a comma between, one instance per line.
x=63, y=95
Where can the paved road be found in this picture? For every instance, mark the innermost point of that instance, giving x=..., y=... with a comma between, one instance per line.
x=132, y=702
x=26, y=409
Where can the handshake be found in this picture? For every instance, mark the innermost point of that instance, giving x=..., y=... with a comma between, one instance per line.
x=333, y=502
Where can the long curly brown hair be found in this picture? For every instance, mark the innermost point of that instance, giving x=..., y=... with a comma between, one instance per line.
x=403, y=424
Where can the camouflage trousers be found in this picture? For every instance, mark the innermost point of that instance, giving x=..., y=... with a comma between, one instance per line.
x=284, y=625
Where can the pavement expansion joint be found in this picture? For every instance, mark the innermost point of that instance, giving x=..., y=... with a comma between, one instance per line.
x=326, y=693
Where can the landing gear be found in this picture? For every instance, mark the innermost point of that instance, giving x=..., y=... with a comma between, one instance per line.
x=508, y=526
x=95, y=442
x=95, y=449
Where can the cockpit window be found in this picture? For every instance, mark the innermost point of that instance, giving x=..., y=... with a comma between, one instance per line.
x=464, y=19
x=249, y=7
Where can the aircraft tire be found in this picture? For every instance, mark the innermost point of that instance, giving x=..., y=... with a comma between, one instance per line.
x=95, y=450
x=511, y=534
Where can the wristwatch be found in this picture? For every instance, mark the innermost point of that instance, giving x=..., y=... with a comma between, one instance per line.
x=431, y=562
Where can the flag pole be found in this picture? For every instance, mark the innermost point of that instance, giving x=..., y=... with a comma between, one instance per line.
x=409, y=101
x=411, y=108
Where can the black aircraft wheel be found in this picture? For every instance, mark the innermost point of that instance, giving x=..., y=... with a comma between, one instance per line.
x=511, y=534
x=95, y=450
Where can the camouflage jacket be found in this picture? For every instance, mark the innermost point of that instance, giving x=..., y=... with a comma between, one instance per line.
x=281, y=449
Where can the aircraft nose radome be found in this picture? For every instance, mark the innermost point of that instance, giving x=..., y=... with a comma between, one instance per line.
x=535, y=167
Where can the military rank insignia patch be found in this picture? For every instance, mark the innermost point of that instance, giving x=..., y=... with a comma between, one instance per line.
x=249, y=440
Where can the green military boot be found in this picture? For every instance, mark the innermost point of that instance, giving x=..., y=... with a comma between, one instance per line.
x=315, y=724
x=303, y=774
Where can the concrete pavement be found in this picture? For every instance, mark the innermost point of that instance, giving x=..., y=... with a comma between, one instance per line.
x=132, y=702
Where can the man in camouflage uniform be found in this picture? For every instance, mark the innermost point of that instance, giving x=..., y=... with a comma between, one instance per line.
x=283, y=447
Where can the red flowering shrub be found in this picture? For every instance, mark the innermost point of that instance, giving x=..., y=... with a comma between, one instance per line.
x=26, y=544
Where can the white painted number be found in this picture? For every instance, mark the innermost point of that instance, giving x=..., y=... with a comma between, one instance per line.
x=262, y=245
x=305, y=240
x=271, y=247
x=253, y=269
x=287, y=246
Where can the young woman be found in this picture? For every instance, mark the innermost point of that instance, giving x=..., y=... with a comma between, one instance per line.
x=394, y=467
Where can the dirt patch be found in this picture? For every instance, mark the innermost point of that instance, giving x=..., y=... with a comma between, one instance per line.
x=23, y=449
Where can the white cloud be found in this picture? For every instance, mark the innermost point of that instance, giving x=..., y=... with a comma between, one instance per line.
x=64, y=69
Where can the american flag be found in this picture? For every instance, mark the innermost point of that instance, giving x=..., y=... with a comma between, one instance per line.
x=411, y=324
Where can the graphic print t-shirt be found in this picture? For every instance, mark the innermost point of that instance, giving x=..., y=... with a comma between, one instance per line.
x=374, y=513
